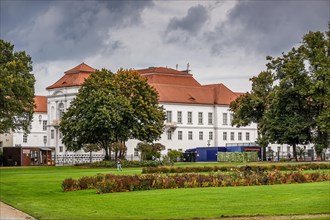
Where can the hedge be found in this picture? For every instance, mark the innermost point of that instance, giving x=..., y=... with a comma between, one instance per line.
x=199, y=169
x=109, y=183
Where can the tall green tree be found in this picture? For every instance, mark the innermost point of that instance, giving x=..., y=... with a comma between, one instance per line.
x=110, y=109
x=288, y=119
x=316, y=49
x=290, y=101
x=16, y=89
x=251, y=107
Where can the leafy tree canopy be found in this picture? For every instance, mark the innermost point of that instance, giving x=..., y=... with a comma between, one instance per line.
x=16, y=89
x=112, y=108
x=290, y=101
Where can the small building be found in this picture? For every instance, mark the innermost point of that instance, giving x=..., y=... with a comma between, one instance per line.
x=210, y=154
x=27, y=156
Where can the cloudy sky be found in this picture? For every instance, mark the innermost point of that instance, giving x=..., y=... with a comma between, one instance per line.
x=223, y=41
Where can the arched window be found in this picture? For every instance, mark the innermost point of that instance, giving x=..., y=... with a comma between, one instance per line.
x=60, y=110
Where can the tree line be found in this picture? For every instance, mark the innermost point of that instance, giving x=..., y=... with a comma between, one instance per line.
x=290, y=100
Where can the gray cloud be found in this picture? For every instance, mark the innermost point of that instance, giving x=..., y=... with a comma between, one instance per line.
x=192, y=22
x=181, y=29
x=270, y=27
x=70, y=28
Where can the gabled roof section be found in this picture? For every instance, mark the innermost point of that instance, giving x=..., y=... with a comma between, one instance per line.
x=222, y=94
x=73, y=77
x=184, y=94
x=162, y=75
x=162, y=70
x=81, y=68
x=40, y=104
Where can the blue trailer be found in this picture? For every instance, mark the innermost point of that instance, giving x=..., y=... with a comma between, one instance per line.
x=209, y=154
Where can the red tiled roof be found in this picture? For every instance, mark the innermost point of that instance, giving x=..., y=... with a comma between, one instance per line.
x=181, y=80
x=223, y=95
x=40, y=104
x=73, y=77
x=172, y=85
x=162, y=70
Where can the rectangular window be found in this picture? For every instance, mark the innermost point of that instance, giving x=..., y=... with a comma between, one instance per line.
x=136, y=152
x=44, y=125
x=169, y=135
x=224, y=119
x=61, y=149
x=231, y=118
x=200, y=118
x=52, y=134
x=232, y=136
x=190, y=135
x=24, y=138
x=224, y=136
x=210, y=135
x=210, y=118
x=189, y=117
x=60, y=134
x=247, y=136
x=168, y=116
x=179, y=117
x=45, y=140
x=239, y=136
x=200, y=135
x=179, y=135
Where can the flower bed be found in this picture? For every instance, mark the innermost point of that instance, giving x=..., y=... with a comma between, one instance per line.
x=109, y=183
x=199, y=169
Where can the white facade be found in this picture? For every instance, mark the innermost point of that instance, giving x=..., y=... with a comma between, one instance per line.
x=36, y=138
x=192, y=125
x=58, y=101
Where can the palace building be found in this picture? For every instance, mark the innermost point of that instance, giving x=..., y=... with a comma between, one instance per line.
x=197, y=115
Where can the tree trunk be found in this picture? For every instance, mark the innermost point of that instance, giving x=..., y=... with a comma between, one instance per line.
x=294, y=148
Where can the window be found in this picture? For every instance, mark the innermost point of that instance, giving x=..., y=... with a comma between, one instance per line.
x=190, y=135
x=24, y=138
x=45, y=140
x=179, y=135
x=231, y=118
x=200, y=135
x=169, y=135
x=210, y=118
x=247, y=136
x=168, y=116
x=52, y=134
x=179, y=117
x=200, y=118
x=224, y=119
x=288, y=149
x=61, y=149
x=189, y=117
x=60, y=110
x=239, y=136
x=224, y=136
x=136, y=152
x=44, y=125
x=210, y=135
x=60, y=134
x=232, y=136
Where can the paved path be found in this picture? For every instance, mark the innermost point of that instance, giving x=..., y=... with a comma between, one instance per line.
x=9, y=213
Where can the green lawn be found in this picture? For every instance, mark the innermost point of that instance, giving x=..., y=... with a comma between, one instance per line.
x=37, y=191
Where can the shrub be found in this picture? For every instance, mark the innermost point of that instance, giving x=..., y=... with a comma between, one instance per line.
x=123, y=183
x=70, y=184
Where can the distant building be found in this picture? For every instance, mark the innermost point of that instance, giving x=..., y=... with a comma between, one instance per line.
x=197, y=115
x=32, y=146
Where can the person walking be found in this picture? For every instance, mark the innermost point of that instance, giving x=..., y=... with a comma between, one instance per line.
x=119, y=165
